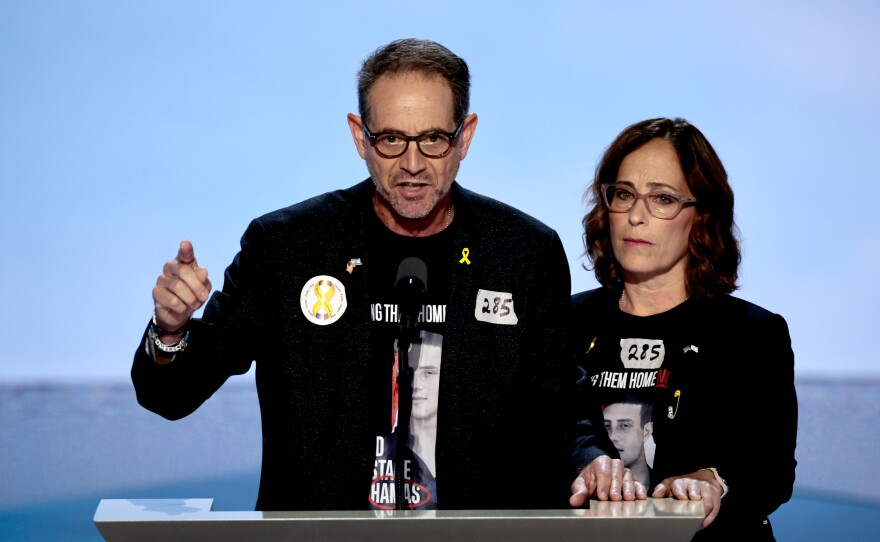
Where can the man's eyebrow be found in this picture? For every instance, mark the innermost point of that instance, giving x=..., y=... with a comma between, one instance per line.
x=432, y=130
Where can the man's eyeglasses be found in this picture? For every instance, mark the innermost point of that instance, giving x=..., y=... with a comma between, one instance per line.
x=430, y=144
x=664, y=204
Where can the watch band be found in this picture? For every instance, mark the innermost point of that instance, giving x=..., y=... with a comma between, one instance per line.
x=721, y=481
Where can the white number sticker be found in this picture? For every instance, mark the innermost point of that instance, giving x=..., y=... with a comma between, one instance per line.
x=495, y=308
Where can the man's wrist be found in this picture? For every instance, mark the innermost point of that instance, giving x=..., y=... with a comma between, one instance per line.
x=164, y=348
x=163, y=332
x=170, y=340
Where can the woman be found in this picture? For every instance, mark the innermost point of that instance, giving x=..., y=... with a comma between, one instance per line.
x=716, y=370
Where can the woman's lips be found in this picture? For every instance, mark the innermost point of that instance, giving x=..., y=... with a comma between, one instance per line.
x=637, y=242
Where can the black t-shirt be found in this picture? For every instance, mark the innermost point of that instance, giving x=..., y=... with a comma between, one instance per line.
x=629, y=361
x=387, y=250
x=720, y=366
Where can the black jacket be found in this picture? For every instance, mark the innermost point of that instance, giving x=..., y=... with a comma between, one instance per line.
x=726, y=400
x=503, y=433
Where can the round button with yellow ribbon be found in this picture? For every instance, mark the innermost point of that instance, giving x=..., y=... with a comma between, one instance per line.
x=323, y=300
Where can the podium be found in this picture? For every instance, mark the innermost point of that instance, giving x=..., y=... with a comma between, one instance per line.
x=133, y=520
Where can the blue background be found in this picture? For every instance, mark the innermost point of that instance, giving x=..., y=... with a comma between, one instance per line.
x=127, y=126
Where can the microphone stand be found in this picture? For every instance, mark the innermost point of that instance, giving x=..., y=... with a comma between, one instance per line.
x=410, y=286
x=404, y=409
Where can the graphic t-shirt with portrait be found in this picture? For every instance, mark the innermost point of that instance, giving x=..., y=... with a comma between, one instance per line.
x=628, y=361
x=424, y=357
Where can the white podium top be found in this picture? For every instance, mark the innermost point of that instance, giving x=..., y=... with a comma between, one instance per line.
x=133, y=520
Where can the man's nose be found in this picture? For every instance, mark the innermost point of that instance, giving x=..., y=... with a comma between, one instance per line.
x=413, y=161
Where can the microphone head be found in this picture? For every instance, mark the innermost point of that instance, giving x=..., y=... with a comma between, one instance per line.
x=412, y=277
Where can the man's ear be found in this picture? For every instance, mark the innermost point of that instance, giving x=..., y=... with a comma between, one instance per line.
x=355, y=124
x=468, y=127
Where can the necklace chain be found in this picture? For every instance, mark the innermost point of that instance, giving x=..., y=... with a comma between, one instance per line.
x=448, y=214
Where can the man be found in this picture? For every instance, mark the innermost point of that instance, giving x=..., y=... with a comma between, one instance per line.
x=311, y=298
x=629, y=427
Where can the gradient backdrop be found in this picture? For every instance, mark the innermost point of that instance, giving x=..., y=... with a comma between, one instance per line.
x=127, y=126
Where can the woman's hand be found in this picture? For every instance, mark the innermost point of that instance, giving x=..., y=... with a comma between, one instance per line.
x=699, y=485
x=606, y=479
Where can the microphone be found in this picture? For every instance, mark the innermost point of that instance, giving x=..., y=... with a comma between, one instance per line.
x=411, y=286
